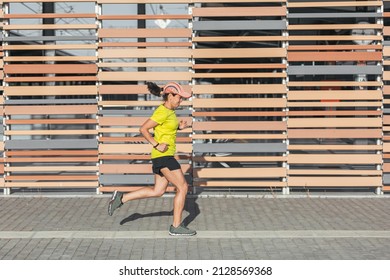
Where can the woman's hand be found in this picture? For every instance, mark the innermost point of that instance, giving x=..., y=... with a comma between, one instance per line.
x=162, y=147
x=183, y=124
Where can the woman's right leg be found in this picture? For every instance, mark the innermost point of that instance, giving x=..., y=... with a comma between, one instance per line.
x=118, y=198
x=160, y=186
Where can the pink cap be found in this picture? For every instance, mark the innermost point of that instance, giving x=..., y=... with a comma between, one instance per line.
x=175, y=88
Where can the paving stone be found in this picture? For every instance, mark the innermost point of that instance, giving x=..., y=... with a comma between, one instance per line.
x=89, y=214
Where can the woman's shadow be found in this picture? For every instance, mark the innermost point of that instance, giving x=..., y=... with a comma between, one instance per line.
x=190, y=206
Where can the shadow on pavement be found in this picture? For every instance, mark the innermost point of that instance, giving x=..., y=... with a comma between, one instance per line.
x=190, y=206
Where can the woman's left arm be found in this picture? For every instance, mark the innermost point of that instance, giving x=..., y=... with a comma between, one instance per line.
x=183, y=124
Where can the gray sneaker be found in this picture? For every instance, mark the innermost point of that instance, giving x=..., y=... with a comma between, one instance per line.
x=115, y=202
x=181, y=231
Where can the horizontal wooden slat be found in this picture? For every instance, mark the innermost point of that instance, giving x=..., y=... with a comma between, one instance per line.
x=52, y=132
x=146, y=17
x=239, y=172
x=152, y=53
x=335, y=94
x=334, y=37
x=51, y=90
x=386, y=147
x=333, y=26
x=239, y=53
x=52, y=47
x=133, y=168
x=50, y=15
x=121, y=103
x=143, y=76
x=50, y=68
x=334, y=122
x=240, y=66
x=239, y=89
x=53, y=159
x=176, y=1
x=51, y=110
x=334, y=56
x=240, y=114
x=238, y=184
x=144, y=33
x=51, y=178
x=49, y=58
x=57, y=184
x=130, y=89
x=239, y=158
x=239, y=136
x=313, y=113
x=333, y=47
x=240, y=126
x=53, y=153
x=334, y=133
x=239, y=103
x=137, y=148
x=48, y=26
x=238, y=38
x=335, y=84
x=334, y=172
x=45, y=168
x=238, y=11
x=52, y=79
x=334, y=4
x=335, y=159
x=339, y=181
x=334, y=104
x=238, y=75
x=334, y=147
x=144, y=64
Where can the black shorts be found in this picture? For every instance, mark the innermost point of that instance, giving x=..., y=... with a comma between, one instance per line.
x=161, y=162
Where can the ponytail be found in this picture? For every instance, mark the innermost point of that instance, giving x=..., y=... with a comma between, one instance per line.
x=154, y=88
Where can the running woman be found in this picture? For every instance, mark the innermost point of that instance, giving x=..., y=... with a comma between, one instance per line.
x=166, y=168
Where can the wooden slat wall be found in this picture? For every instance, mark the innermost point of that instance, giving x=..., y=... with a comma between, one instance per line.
x=127, y=58
x=239, y=95
x=288, y=95
x=1, y=103
x=386, y=96
x=51, y=99
x=335, y=97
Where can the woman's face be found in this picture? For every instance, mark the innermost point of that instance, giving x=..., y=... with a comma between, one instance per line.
x=175, y=100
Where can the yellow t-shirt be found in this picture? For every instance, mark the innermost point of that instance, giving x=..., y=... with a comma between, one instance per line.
x=165, y=131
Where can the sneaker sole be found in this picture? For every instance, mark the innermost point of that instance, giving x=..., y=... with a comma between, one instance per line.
x=110, y=203
x=182, y=234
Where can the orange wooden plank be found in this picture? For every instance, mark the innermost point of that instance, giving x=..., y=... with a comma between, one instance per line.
x=50, y=109
x=49, y=15
x=334, y=56
x=337, y=181
x=239, y=172
x=52, y=79
x=53, y=153
x=334, y=4
x=239, y=103
x=238, y=11
x=334, y=159
x=240, y=126
x=144, y=33
x=50, y=68
x=50, y=90
x=334, y=133
x=240, y=89
x=239, y=52
x=146, y=17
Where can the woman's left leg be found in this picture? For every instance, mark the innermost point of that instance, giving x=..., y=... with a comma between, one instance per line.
x=176, y=177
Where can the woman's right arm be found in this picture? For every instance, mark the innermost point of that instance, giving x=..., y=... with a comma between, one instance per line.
x=144, y=130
